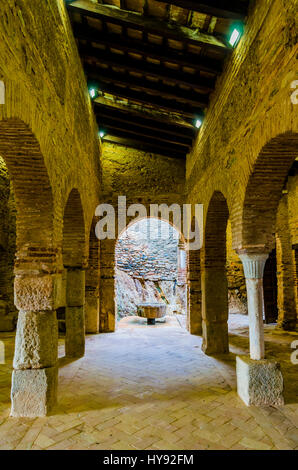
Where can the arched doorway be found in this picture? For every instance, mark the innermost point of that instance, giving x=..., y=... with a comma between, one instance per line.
x=150, y=268
x=73, y=252
x=214, y=278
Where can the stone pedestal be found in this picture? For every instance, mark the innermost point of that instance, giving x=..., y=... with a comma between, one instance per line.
x=33, y=392
x=259, y=383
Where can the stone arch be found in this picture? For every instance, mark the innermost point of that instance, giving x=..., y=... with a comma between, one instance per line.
x=263, y=192
x=33, y=195
x=73, y=252
x=214, y=277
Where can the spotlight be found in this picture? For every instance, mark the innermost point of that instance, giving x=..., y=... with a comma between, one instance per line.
x=198, y=123
x=102, y=134
x=235, y=36
x=92, y=92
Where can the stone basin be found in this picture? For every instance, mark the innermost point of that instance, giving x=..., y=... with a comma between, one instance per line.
x=151, y=311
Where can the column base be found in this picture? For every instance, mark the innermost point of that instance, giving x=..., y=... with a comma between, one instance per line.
x=33, y=392
x=75, y=332
x=259, y=383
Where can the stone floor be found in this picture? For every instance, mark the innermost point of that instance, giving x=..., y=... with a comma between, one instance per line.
x=153, y=388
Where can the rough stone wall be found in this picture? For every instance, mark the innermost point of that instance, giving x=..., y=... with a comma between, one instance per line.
x=143, y=178
x=153, y=257
x=147, y=267
x=250, y=106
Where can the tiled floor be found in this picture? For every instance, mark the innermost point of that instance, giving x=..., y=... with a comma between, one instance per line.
x=153, y=388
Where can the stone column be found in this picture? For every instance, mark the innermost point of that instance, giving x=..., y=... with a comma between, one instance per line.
x=107, y=318
x=259, y=381
x=253, y=265
x=194, y=293
x=35, y=375
x=74, y=313
x=214, y=304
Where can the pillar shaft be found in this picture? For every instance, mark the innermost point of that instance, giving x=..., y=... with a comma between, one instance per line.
x=35, y=375
x=107, y=318
x=253, y=264
x=74, y=313
x=255, y=303
x=194, y=293
x=215, y=310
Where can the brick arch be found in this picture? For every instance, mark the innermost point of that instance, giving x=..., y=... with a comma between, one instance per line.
x=21, y=153
x=73, y=247
x=263, y=191
x=214, y=277
x=215, y=230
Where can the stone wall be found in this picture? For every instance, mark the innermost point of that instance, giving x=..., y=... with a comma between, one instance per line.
x=147, y=267
x=149, y=250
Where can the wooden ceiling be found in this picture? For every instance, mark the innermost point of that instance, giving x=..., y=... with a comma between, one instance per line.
x=153, y=65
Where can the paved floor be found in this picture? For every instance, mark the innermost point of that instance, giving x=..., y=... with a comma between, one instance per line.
x=153, y=388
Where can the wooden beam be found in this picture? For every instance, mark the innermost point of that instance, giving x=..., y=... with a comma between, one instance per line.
x=116, y=123
x=233, y=9
x=101, y=76
x=150, y=100
x=129, y=19
x=133, y=134
x=140, y=145
x=144, y=68
x=161, y=53
x=103, y=109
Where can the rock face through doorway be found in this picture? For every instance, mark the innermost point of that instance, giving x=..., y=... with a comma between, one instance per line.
x=148, y=268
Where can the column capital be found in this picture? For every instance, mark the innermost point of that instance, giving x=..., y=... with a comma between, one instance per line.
x=253, y=264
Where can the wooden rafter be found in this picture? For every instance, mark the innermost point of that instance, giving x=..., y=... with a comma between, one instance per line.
x=142, y=23
x=161, y=53
x=235, y=9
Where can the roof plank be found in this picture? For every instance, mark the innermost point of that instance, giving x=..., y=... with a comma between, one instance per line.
x=157, y=52
x=233, y=9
